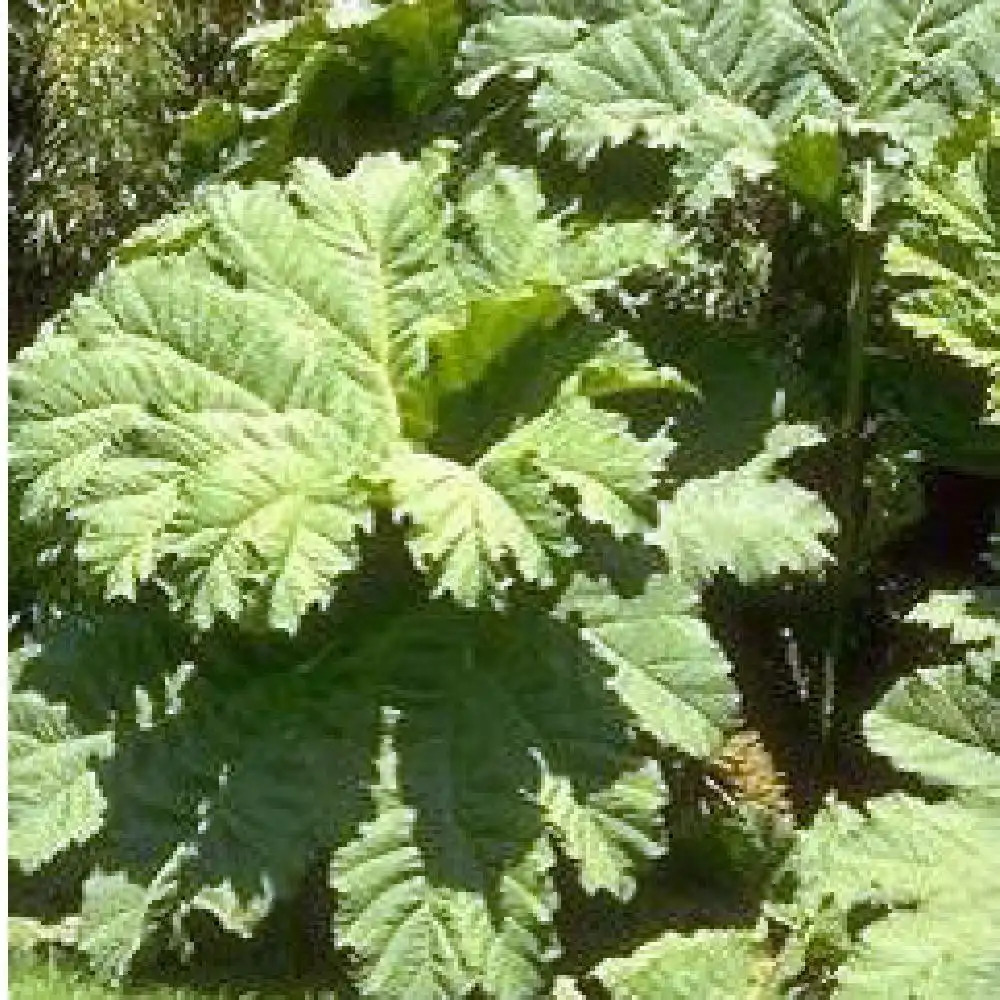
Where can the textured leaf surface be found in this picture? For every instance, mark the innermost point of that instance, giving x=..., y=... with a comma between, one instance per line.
x=522, y=267
x=944, y=722
x=422, y=903
x=668, y=669
x=933, y=866
x=602, y=830
x=218, y=418
x=665, y=73
x=592, y=452
x=116, y=917
x=728, y=85
x=946, y=262
x=466, y=527
x=97, y=662
x=499, y=739
x=178, y=415
x=422, y=940
x=929, y=865
x=204, y=781
x=751, y=521
x=54, y=799
x=706, y=965
x=501, y=736
x=217, y=777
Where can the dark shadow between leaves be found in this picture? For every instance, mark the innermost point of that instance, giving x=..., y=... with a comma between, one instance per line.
x=626, y=563
x=485, y=701
x=94, y=660
x=519, y=385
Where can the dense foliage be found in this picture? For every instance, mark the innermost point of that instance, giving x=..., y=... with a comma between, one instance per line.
x=465, y=546
x=99, y=94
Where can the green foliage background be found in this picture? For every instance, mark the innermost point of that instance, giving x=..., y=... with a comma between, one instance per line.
x=503, y=496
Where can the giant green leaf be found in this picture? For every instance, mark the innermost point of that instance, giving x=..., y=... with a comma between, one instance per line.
x=729, y=86
x=507, y=507
x=677, y=76
x=178, y=415
x=421, y=939
x=918, y=878
x=199, y=783
x=73, y=699
x=198, y=810
x=449, y=751
x=705, y=965
x=219, y=418
x=502, y=737
x=307, y=76
x=216, y=776
x=466, y=528
x=96, y=662
x=944, y=724
x=592, y=452
x=118, y=914
x=523, y=267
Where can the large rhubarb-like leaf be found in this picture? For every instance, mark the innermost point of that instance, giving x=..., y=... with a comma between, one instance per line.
x=455, y=749
x=738, y=88
x=501, y=738
x=667, y=668
x=913, y=884
x=222, y=417
x=307, y=76
x=706, y=965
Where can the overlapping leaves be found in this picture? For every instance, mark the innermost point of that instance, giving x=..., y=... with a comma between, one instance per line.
x=895, y=898
x=456, y=750
x=930, y=863
x=224, y=416
x=54, y=799
x=946, y=261
x=227, y=411
x=304, y=73
x=749, y=521
x=944, y=722
x=485, y=762
x=739, y=88
x=931, y=867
